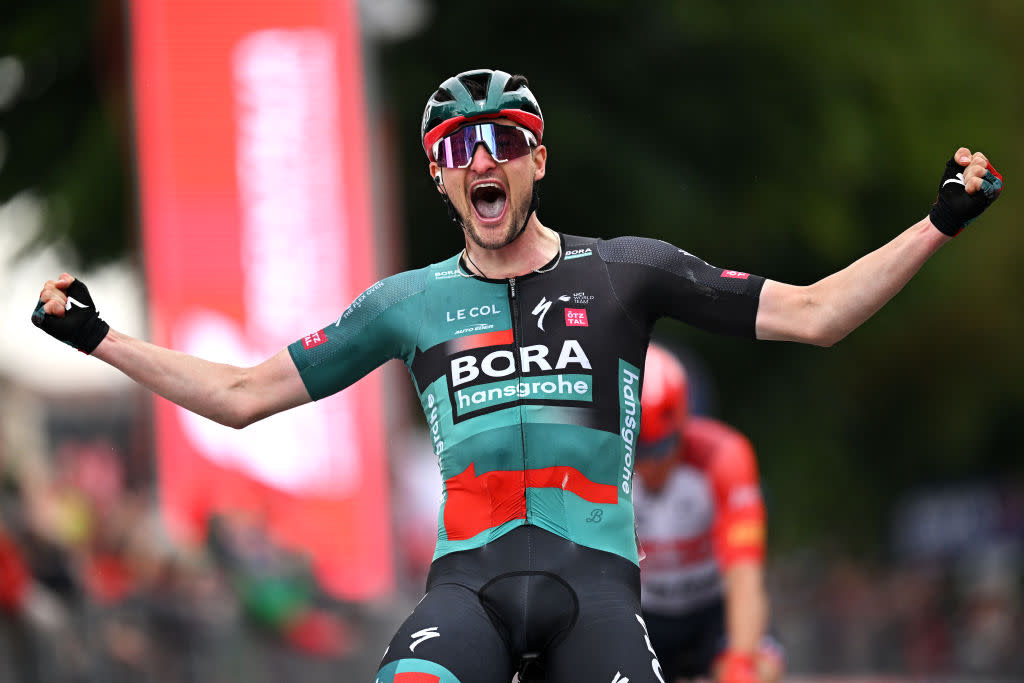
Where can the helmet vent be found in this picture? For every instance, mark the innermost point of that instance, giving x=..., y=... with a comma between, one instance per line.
x=476, y=84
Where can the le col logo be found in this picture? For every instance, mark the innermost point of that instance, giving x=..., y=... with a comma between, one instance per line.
x=473, y=312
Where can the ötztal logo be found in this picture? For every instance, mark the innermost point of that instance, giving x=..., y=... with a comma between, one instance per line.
x=542, y=307
x=735, y=274
x=576, y=317
x=314, y=339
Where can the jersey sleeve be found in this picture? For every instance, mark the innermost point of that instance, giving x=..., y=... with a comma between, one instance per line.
x=653, y=278
x=739, y=526
x=382, y=323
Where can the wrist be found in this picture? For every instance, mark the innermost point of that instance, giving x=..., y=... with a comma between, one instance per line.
x=943, y=221
x=734, y=666
x=931, y=232
x=92, y=333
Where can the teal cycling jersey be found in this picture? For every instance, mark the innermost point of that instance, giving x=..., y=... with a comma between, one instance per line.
x=531, y=385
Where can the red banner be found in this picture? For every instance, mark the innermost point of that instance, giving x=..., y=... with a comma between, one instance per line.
x=253, y=173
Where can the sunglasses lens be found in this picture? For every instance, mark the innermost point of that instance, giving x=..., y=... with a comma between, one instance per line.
x=509, y=143
x=503, y=142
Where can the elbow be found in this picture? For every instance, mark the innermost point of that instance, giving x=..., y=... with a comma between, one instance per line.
x=235, y=420
x=827, y=328
x=827, y=338
x=239, y=416
x=238, y=423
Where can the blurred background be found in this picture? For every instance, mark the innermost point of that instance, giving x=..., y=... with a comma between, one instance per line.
x=184, y=158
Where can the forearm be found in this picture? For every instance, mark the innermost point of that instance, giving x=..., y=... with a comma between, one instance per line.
x=827, y=311
x=223, y=393
x=746, y=607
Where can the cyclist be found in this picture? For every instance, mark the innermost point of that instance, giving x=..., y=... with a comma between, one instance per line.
x=534, y=405
x=701, y=522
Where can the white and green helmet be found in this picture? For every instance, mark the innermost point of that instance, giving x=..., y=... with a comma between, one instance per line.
x=453, y=105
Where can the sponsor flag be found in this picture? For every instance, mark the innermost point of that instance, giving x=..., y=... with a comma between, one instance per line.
x=252, y=163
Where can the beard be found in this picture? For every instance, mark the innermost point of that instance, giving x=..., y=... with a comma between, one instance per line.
x=518, y=213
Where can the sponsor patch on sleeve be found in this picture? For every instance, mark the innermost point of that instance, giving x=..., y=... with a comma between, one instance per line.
x=735, y=274
x=314, y=339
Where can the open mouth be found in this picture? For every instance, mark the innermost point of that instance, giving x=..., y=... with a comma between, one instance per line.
x=489, y=200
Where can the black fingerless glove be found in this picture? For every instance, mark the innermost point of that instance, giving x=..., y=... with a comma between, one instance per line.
x=954, y=208
x=80, y=327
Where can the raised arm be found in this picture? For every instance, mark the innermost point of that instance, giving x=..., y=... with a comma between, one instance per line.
x=825, y=312
x=233, y=396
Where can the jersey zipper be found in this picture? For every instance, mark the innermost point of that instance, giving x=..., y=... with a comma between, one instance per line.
x=517, y=343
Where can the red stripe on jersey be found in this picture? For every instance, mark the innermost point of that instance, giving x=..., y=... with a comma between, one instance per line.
x=416, y=677
x=477, y=503
x=476, y=341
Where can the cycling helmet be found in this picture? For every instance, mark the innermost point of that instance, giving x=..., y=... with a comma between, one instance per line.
x=452, y=105
x=664, y=402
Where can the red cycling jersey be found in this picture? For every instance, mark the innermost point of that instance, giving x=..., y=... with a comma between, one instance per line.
x=708, y=516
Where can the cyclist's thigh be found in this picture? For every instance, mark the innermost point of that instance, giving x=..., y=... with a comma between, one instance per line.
x=448, y=638
x=608, y=644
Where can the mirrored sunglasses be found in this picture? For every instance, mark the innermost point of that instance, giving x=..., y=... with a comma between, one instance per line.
x=503, y=142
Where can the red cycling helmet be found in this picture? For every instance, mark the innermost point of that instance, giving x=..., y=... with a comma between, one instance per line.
x=664, y=401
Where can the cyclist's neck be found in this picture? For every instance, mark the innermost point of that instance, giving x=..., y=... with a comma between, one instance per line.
x=535, y=248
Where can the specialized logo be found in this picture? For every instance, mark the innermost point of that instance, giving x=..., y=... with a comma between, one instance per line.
x=959, y=180
x=422, y=636
x=576, y=317
x=315, y=339
x=542, y=307
x=578, y=253
x=655, y=664
x=735, y=274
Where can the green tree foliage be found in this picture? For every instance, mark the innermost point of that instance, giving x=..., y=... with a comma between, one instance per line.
x=63, y=122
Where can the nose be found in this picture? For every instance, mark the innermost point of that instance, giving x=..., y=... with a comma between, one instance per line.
x=482, y=160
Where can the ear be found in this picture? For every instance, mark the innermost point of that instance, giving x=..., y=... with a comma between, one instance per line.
x=435, y=174
x=540, y=162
